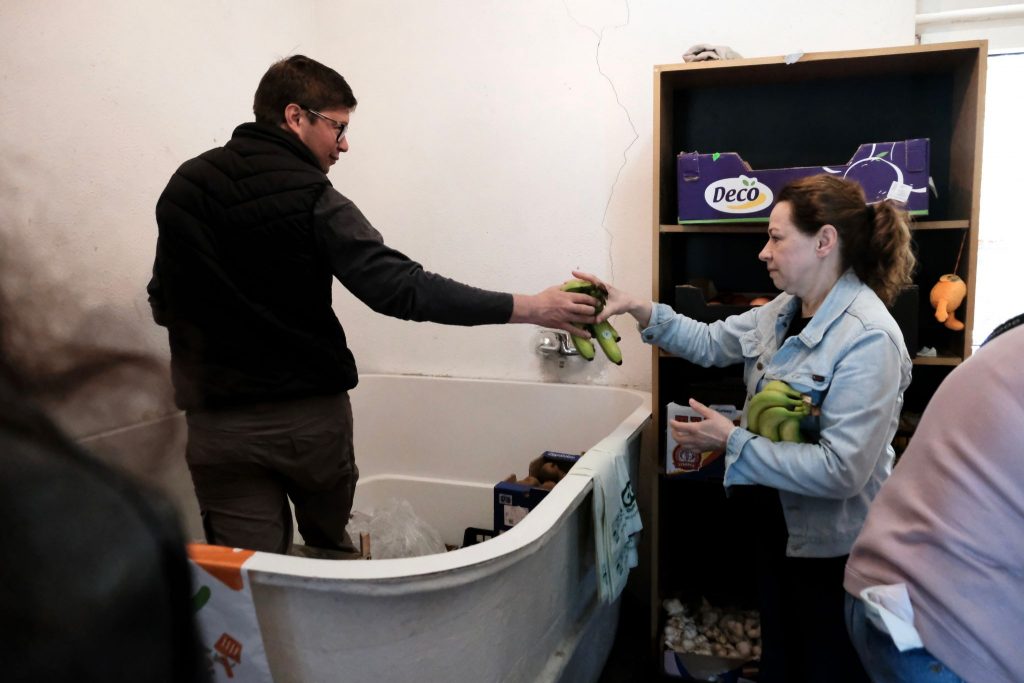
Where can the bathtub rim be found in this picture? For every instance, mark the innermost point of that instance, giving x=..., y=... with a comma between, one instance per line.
x=528, y=536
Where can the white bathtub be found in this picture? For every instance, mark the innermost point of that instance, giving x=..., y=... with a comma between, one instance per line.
x=519, y=607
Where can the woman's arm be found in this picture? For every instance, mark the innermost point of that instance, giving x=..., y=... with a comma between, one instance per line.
x=858, y=418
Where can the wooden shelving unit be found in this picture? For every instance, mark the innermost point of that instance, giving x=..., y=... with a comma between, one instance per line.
x=775, y=115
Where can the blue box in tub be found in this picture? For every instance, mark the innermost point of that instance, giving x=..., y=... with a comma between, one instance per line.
x=512, y=501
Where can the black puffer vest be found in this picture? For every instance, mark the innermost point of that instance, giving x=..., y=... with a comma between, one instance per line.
x=238, y=280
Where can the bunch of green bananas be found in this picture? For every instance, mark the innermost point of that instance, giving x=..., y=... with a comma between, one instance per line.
x=775, y=412
x=603, y=332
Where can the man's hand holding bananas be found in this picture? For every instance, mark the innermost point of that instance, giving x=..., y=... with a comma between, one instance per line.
x=775, y=412
x=603, y=332
x=617, y=301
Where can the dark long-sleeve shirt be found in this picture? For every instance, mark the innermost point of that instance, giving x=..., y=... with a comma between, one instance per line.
x=251, y=236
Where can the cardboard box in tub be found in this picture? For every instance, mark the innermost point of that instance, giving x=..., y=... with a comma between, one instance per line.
x=715, y=188
x=680, y=461
x=513, y=501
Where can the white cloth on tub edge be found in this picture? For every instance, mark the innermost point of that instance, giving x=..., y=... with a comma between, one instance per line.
x=616, y=519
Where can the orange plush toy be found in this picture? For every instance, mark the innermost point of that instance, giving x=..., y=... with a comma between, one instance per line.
x=947, y=295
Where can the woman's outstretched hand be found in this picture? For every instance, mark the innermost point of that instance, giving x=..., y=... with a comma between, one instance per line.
x=619, y=301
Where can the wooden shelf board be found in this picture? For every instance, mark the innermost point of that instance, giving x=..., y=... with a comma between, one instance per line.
x=725, y=228
x=756, y=228
x=917, y=360
x=937, y=360
x=940, y=225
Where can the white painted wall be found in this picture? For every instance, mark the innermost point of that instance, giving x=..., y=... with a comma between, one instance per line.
x=1004, y=34
x=1000, y=240
x=500, y=143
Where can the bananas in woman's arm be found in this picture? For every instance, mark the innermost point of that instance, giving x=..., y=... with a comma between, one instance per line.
x=775, y=412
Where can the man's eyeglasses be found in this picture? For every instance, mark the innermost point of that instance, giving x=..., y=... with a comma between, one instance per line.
x=340, y=127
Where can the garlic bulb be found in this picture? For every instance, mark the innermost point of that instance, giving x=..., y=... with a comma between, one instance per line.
x=707, y=630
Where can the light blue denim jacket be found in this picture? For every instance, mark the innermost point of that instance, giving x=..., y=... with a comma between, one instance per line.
x=852, y=361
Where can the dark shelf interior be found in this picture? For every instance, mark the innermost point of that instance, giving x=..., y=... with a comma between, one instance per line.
x=730, y=260
x=705, y=551
x=789, y=122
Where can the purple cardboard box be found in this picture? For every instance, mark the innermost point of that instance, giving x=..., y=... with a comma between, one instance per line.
x=715, y=188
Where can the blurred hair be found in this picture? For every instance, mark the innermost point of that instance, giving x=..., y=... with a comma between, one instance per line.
x=874, y=239
x=45, y=358
x=303, y=81
x=80, y=532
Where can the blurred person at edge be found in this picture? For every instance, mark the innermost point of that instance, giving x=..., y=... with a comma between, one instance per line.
x=829, y=335
x=948, y=528
x=251, y=236
x=94, y=583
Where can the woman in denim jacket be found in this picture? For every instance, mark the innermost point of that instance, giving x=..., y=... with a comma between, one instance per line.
x=829, y=335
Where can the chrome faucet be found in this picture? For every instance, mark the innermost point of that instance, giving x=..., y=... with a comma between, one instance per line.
x=554, y=343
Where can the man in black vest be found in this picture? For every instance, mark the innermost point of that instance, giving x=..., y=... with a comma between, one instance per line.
x=251, y=235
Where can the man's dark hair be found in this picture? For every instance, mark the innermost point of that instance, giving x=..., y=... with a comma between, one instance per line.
x=299, y=80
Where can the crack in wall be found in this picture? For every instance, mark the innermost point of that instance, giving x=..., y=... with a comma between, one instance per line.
x=629, y=119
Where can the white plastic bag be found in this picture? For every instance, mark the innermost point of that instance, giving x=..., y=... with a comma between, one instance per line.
x=396, y=531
